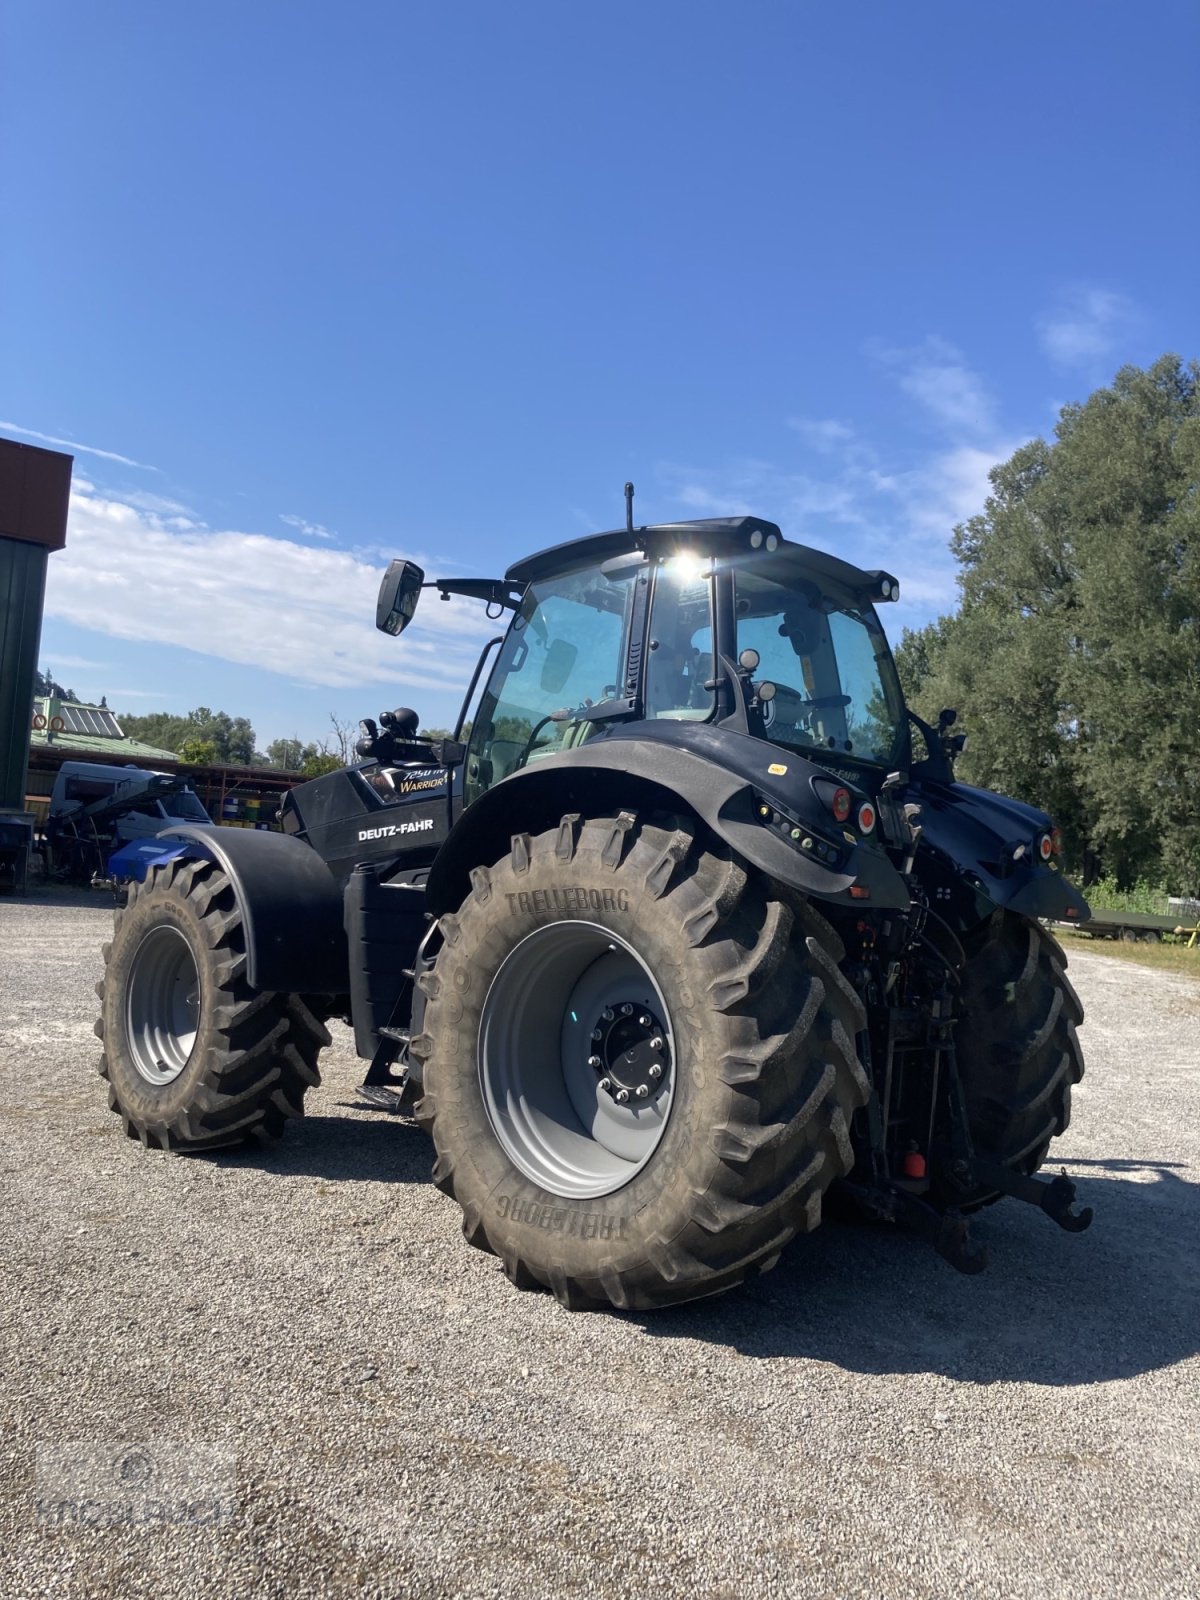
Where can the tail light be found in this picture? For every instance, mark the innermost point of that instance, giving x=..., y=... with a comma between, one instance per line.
x=839, y=804
x=866, y=817
x=1046, y=846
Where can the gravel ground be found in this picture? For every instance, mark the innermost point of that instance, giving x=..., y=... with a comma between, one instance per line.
x=367, y=1407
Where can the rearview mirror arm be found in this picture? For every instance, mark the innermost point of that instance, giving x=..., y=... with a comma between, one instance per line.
x=496, y=591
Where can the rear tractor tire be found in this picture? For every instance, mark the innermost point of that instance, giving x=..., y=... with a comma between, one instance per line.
x=640, y=1064
x=1017, y=1047
x=195, y=1058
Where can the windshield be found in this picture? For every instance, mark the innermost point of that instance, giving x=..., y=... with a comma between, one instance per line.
x=836, y=685
x=185, y=805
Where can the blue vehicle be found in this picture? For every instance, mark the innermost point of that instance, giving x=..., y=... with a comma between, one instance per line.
x=691, y=922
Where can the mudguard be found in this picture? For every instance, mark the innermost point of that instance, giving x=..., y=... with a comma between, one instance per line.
x=975, y=834
x=291, y=906
x=724, y=777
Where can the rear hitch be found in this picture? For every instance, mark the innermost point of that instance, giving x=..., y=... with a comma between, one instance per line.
x=948, y=1232
x=970, y=1170
x=1055, y=1197
x=954, y=1244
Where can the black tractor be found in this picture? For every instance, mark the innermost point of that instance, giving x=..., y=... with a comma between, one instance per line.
x=690, y=922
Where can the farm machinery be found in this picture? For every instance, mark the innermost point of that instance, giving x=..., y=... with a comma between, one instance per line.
x=690, y=924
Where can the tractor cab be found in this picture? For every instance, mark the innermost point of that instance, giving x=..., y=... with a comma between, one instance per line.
x=718, y=622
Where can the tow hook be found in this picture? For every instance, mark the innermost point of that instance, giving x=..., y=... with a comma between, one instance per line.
x=1055, y=1198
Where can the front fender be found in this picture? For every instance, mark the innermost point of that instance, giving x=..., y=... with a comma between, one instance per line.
x=290, y=904
x=975, y=832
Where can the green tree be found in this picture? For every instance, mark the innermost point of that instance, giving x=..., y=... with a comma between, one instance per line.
x=199, y=752
x=232, y=738
x=319, y=763
x=44, y=684
x=290, y=754
x=1074, y=656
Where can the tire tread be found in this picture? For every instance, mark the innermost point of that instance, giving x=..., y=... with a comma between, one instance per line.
x=257, y=1080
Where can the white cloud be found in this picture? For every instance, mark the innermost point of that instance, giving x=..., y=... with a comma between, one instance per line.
x=927, y=502
x=314, y=530
x=55, y=664
x=303, y=612
x=174, y=511
x=872, y=512
x=745, y=488
x=824, y=434
x=71, y=444
x=949, y=487
x=936, y=375
x=1085, y=326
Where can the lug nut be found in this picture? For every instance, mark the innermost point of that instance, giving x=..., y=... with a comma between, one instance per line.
x=644, y=1022
x=622, y=1096
x=642, y=1091
x=595, y=1061
x=608, y=1013
x=656, y=1043
x=605, y=1084
x=627, y=1009
x=655, y=1070
x=597, y=1035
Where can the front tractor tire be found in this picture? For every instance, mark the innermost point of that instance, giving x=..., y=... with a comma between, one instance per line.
x=1017, y=1046
x=639, y=1064
x=195, y=1058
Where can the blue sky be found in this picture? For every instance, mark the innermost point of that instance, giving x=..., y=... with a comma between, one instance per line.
x=307, y=286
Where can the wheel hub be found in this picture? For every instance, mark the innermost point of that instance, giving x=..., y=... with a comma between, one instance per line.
x=162, y=1005
x=629, y=1052
x=576, y=1089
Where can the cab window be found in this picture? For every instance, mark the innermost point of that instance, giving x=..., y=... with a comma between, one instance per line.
x=564, y=653
x=680, y=663
x=835, y=683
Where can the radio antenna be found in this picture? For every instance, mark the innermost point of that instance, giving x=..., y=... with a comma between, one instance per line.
x=629, y=508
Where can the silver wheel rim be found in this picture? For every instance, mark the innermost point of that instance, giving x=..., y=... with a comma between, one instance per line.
x=570, y=996
x=162, y=1010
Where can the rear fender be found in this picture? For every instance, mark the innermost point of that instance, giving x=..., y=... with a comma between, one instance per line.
x=640, y=773
x=290, y=904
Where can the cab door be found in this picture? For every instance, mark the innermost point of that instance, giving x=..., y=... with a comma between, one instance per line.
x=566, y=653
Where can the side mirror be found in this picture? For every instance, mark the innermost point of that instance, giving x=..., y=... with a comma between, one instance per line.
x=398, y=596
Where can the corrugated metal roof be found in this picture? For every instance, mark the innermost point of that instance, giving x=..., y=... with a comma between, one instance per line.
x=113, y=749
